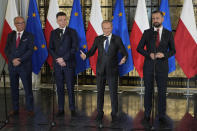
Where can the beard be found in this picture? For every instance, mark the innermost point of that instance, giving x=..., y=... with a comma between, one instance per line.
x=156, y=24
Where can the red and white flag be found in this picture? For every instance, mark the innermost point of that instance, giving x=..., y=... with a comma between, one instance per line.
x=186, y=40
x=8, y=26
x=94, y=29
x=51, y=24
x=140, y=24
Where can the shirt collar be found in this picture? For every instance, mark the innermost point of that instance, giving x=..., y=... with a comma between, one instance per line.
x=160, y=29
x=21, y=33
x=63, y=29
x=109, y=36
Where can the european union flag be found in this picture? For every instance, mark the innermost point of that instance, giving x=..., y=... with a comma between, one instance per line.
x=167, y=24
x=34, y=26
x=120, y=29
x=76, y=22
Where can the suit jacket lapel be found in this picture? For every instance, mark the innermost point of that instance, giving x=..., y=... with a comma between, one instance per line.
x=111, y=42
x=154, y=38
x=162, y=35
x=23, y=37
x=14, y=40
x=65, y=33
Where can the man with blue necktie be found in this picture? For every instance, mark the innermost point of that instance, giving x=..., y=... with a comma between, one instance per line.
x=108, y=46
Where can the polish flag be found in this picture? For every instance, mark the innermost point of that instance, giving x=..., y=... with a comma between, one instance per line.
x=94, y=29
x=186, y=40
x=8, y=26
x=51, y=24
x=140, y=24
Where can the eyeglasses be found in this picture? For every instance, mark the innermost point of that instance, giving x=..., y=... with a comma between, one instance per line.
x=19, y=23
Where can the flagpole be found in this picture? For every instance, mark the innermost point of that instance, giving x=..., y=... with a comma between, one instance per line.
x=187, y=104
x=141, y=87
x=78, y=90
x=188, y=93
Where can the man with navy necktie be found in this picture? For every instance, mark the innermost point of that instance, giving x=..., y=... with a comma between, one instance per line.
x=19, y=50
x=159, y=43
x=63, y=46
x=108, y=45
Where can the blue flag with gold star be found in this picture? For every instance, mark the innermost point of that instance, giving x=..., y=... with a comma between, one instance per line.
x=120, y=29
x=76, y=22
x=167, y=24
x=34, y=26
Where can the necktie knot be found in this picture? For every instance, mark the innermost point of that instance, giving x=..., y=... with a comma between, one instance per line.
x=61, y=30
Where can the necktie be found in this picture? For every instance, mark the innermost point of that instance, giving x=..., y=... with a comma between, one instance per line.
x=106, y=44
x=61, y=33
x=158, y=37
x=18, y=40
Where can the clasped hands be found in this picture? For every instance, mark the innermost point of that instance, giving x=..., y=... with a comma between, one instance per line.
x=16, y=61
x=154, y=56
x=61, y=62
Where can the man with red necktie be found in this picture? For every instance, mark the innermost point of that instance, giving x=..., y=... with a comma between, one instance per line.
x=19, y=50
x=159, y=44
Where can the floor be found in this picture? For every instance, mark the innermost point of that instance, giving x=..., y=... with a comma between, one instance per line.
x=181, y=113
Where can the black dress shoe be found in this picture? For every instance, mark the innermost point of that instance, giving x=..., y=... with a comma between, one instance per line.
x=99, y=118
x=163, y=121
x=60, y=113
x=13, y=113
x=100, y=124
x=146, y=122
x=73, y=113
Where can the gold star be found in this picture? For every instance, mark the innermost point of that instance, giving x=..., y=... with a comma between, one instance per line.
x=76, y=14
x=120, y=14
x=34, y=14
x=43, y=46
x=84, y=46
x=35, y=48
x=164, y=13
x=129, y=47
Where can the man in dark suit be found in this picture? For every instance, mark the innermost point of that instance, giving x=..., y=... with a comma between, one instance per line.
x=108, y=46
x=62, y=46
x=159, y=45
x=19, y=50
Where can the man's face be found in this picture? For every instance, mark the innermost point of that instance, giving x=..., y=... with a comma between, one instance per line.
x=107, y=28
x=61, y=21
x=157, y=19
x=19, y=24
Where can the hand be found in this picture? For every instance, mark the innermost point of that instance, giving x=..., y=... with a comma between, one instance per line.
x=159, y=55
x=59, y=60
x=152, y=56
x=16, y=61
x=63, y=64
x=123, y=60
x=82, y=55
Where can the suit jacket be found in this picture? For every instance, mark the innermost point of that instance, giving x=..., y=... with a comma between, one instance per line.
x=109, y=59
x=148, y=40
x=65, y=46
x=24, y=50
